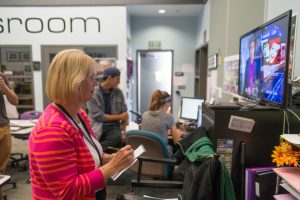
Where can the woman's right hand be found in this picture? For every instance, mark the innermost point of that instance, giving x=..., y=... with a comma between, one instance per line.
x=121, y=159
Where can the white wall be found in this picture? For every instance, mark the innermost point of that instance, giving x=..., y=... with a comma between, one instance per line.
x=112, y=32
x=203, y=25
x=276, y=7
x=177, y=34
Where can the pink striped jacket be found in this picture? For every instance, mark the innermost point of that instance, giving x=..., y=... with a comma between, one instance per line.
x=61, y=166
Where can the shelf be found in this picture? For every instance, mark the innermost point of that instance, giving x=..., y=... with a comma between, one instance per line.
x=290, y=179
x=290, y=189
x=25, y=96
x=18, y=76
x=24, y=106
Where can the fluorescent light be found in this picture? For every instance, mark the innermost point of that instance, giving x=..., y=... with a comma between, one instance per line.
x=161, y=11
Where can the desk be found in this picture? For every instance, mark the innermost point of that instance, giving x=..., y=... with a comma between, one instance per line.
x=21, y=129
x=258, y=145
x=4, y=179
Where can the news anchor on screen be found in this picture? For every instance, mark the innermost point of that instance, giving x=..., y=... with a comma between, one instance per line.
x=253, y=74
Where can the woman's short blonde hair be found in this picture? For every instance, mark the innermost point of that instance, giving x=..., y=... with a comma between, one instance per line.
x=66, y=75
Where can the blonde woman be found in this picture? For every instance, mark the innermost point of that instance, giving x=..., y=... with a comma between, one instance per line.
x=66, y=160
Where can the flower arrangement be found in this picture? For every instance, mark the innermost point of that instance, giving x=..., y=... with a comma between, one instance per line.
x=286, y=155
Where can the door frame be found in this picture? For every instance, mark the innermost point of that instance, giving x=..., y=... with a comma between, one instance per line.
x=138, y=76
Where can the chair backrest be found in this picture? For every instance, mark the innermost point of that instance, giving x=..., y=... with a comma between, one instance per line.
x=155, y=147
x=30, y=115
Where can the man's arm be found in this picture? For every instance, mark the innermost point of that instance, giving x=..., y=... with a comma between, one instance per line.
x=123, y=117
x=95, y=108
x=122, y=109
x=9, y=93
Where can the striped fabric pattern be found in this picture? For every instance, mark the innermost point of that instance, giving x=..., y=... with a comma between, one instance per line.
x=61, y=166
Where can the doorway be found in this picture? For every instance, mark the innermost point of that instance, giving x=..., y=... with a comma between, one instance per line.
x=154, y=71
x=201, y=56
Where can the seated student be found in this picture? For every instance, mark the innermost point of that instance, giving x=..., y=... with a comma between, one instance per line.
x=158, y=120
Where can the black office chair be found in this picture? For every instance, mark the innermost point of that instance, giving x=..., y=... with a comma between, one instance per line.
x=138, y=116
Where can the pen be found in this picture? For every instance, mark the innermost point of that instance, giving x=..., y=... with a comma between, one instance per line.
x=113, y=148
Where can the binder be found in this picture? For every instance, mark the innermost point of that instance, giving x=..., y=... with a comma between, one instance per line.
x=265, y=184
x=250, y=176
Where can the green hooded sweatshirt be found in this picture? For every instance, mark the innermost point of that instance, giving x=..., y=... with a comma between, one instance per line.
x=203, y=149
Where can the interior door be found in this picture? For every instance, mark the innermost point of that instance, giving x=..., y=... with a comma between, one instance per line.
x=201, y=71
x=155, y=69
x=48, y=53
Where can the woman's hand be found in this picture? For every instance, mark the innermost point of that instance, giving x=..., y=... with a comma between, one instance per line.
x=107, y=157
x=121, y=159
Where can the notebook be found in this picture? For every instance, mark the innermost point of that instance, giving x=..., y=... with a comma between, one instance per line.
x=137, y=152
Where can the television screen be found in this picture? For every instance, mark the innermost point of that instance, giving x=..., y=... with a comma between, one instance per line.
x=190, y=108
x=263, y=67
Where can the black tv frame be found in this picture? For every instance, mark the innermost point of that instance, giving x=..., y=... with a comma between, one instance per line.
x=287, y=86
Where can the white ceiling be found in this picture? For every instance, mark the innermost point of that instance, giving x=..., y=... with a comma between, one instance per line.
x=182, y=10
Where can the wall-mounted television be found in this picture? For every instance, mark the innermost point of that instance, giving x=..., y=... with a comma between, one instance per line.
x=263, y=65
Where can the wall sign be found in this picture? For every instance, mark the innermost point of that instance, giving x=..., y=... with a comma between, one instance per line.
x=241, y=124
x=36, y=65
x=179, y=73
x=213, y=61
x=154, y=45
x=52, y=25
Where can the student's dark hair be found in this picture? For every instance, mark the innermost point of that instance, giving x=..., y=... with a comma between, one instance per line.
x=159, y=98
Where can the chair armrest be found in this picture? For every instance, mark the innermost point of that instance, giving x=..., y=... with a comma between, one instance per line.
x=158, y=160
x=157, y=184
x=142, y=159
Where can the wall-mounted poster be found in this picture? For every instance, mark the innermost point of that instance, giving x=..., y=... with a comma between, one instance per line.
x=25, y=56
x=12, y=56
x=213, y=61
x=231, y=74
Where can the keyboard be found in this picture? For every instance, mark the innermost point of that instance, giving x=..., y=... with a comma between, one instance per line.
x=224, y=106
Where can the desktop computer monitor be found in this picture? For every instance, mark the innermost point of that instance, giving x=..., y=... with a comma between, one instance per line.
x=199, y=120
x=191, y=109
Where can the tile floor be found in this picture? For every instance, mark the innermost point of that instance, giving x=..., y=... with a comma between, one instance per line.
x=23, y=190
x=21, y=177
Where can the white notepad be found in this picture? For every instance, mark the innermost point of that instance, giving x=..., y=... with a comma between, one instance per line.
x=139, y=151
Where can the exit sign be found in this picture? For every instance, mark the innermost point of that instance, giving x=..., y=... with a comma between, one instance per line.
x=154, y=45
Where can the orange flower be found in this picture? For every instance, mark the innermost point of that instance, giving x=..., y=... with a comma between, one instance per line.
x=284, y=155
